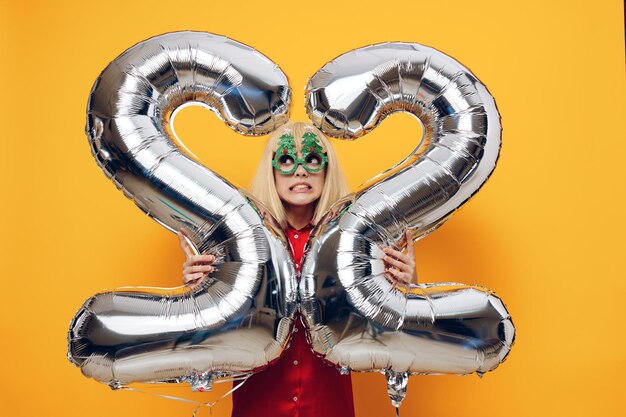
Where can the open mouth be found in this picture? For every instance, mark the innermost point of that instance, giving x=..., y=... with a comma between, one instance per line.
x=300, y=187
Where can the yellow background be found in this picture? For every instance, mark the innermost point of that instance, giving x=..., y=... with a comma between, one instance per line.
x=546, y=232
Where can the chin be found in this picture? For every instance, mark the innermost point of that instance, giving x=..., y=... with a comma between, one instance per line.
x=300, y=201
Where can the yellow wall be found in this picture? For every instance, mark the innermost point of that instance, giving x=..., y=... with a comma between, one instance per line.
x=546, y=232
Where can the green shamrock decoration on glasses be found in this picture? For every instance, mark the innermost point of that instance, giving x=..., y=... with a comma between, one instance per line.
x=286, y=160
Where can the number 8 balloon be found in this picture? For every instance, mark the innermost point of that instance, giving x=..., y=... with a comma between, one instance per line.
x=239, y=320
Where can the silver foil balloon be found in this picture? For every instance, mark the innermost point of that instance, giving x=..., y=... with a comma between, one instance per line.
x=357, y=319
x=239, y=319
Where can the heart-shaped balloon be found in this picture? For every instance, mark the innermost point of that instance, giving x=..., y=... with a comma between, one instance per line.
x=239, y=320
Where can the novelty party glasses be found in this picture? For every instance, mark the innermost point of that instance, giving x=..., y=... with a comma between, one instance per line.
x=286, y=160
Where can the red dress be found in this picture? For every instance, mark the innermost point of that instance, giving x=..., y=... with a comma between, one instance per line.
x=299, y=384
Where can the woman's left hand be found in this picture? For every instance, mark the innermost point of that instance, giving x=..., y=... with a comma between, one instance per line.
x=400, y=267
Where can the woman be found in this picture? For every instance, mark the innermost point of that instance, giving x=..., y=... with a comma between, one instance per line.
x=298, y=179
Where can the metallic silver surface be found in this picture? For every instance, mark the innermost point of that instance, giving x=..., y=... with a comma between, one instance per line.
x=357, y=318
x=396, y=386
x=239, y=319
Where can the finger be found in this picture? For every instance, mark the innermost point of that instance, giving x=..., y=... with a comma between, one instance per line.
x=191, y=262
x=192, y=285
x=394, y=262
x=185, y=245
x=181, y=237
x=198, y=268
x=201, y=258
x=393, y=252
x=400, y=276
x=397, y=254
x=395, y=281
x=390, y=278
x=193, y=277
x=398, y=264
x=403, y=277
x=410, y=245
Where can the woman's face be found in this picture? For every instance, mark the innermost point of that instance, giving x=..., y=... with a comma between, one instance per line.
x=301, y=188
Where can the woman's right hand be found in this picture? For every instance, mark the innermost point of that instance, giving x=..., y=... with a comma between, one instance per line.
x=196, y=267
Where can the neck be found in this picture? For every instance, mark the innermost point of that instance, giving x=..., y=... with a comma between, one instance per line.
x=299, y=216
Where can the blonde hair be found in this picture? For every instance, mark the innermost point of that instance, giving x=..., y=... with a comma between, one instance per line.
x=263, y=187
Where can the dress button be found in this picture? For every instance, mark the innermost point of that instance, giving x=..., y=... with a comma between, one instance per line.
x=295, y=330
x=295, y=362
x=297, y=266
x=295, y=237
x=295, y=398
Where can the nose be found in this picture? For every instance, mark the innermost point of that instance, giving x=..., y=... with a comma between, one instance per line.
x=301, y=172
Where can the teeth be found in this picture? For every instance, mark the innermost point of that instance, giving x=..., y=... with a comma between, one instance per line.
x=300, y=187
